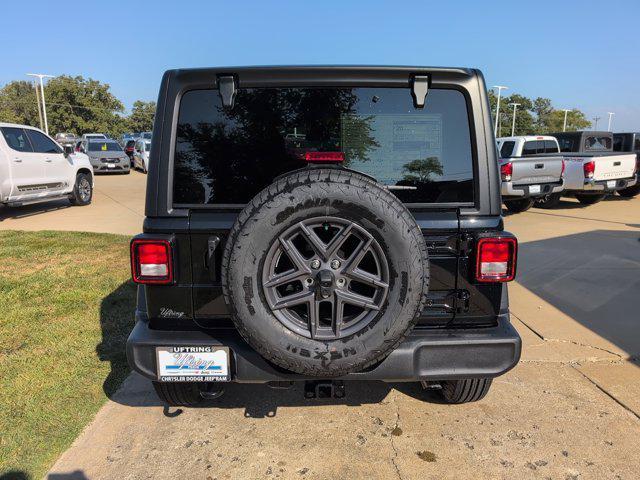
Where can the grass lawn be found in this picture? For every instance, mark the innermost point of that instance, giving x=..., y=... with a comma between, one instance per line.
x=67, y=307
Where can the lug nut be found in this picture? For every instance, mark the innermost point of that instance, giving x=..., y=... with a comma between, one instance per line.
x=315, y=264
x=340, y=282
x=309, y=281
x=335, y=264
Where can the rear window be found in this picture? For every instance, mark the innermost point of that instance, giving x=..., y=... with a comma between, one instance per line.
x=597, y=144
x=568, y=144
x=550, y=146
x=104, y=147
x=507, y=149
x=227, y=155
x=533, y=147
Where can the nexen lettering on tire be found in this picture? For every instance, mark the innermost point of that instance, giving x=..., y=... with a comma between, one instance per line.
x=366, y=293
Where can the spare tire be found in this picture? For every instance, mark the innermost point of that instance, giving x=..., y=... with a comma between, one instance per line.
x=325, y=272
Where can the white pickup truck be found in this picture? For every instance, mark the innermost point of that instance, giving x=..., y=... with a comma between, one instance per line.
x=34, y=168
x=530, y=167
x=592, y=169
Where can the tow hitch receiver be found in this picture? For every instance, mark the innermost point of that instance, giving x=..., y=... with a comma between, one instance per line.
x=324, y=389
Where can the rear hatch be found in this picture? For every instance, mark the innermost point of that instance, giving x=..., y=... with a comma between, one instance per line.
x=227, y=150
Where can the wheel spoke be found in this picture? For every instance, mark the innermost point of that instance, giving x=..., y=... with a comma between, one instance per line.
x=292, y=300
x=316, y=243
x=339, y=240
x=358, y=254
x=366, y=278
x=294, y=255
x=283, y=278
x=358, y=300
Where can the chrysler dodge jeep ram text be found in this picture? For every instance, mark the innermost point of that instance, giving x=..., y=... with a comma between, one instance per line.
x=322, y=224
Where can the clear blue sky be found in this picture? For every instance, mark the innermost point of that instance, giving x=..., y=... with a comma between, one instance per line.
x=580, y=54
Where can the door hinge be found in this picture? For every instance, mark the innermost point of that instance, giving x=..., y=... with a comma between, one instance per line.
x=465, y=244
x=227, y=88
x=419, y=90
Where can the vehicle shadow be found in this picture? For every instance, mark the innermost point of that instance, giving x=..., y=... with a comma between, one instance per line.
x=116, y=322
x=261, y=401
x=32, y=210
x=593, y=277
x=258, y=400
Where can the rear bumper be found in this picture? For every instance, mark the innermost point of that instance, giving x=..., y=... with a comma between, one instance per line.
x=509, y=190
x=601, y=185
x=434, y=354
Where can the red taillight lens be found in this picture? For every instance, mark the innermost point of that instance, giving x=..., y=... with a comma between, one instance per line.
x=589, y=168
x=563, y=167
x=151, y=261
x=496, y=260
x=506, y=170
x=324, y=157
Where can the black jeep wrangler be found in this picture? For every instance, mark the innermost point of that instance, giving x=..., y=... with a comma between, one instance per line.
x=322, y=224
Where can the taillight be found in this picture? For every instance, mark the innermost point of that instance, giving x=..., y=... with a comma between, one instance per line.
x=562, y=171
x=324, y=157
x=496, y=259
x=589, y=168
x=151, y=261
x=506, y=170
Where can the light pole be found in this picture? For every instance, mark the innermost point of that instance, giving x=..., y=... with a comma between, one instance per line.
x=513, y=122
x=595, y=125
x=44, y=106
x=495, y=126
x=564, y=125
x=611, y=114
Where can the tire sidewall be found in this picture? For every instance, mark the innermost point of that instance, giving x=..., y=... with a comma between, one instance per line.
x=300, y=197
x=76, y=190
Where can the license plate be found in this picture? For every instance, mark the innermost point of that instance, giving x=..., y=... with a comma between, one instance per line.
x=534, y=188
x=611, y=184
x=193, y=364
x=111, y=165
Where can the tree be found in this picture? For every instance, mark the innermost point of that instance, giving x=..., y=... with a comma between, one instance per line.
x=576, y=120
x=420, y=170
x=18, y=103
x=542, y=109
x=534, y=117
x=82, y=105
x=141, y=118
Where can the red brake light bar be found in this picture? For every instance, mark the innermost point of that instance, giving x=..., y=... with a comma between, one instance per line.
x=496, y=259
x=151, y=261
x=324, y=157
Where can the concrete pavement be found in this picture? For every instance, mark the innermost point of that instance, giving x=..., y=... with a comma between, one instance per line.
x=569, y=410
x=117, y=207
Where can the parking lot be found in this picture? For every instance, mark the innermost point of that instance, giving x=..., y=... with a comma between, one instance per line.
x=570, y=409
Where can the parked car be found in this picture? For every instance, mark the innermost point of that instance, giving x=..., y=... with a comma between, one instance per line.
x=145, y=135
x=66, y=139
x=34, y=168
x=129, y=148
x=106, y=156
x=629, y=142
x=592, y=169
x=87, y=136
x=375, y=256
x=525, y=171
x=141, y=152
